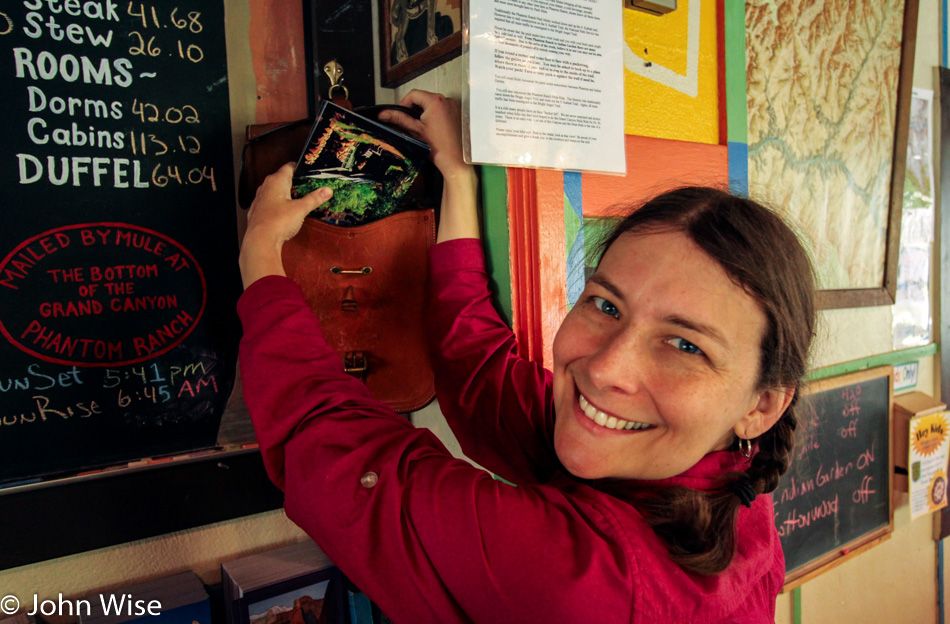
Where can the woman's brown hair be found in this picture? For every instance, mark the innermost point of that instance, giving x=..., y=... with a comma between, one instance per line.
x=763, y=256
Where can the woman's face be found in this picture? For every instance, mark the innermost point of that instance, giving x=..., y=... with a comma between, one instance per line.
x=656, y=365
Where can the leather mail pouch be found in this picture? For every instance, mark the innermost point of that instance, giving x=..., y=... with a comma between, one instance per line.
x=367, y=284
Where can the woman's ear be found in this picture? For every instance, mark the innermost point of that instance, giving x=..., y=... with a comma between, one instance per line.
x=770, y=406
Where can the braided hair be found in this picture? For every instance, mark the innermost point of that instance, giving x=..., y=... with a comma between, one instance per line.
x=765, y=258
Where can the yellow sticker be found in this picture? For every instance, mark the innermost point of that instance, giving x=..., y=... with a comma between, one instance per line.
x=928, y=433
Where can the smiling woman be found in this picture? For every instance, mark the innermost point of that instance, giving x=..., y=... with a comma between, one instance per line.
x=639, y=460
x=674, y=349
x=729, y=281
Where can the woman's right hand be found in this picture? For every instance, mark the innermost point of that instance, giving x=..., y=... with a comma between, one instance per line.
x=273, y=219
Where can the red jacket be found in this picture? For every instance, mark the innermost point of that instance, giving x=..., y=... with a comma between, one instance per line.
x=428, y=537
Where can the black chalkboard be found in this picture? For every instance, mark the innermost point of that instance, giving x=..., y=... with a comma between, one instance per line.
x=118, y=246
x=836, y=497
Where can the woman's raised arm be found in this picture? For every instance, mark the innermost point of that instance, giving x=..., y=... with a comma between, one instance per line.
x=439, y=126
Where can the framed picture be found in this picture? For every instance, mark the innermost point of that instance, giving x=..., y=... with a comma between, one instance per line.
x=829, y=146
x=416, y=36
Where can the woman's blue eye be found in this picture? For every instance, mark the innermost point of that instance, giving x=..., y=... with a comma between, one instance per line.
x=605, y=306
x=686, y=346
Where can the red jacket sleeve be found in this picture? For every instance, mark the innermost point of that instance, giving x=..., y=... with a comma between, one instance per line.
x=425, y=535
x=498, y=405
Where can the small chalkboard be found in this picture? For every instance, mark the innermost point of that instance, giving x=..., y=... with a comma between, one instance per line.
x=835, y=500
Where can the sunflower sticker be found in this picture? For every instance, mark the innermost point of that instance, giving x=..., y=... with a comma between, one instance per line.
x=929, y=448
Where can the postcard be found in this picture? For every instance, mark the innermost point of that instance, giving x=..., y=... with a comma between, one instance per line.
x=369, y=166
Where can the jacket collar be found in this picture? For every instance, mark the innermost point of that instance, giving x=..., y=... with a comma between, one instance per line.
x=704, y=476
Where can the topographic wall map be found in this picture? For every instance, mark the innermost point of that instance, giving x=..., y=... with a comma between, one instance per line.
x=822, y=96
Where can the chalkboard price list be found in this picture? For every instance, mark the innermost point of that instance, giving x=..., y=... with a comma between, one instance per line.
x=117, y=263
x=849, y=469
x=84, y=65
x=145, y=43
x=175, y=18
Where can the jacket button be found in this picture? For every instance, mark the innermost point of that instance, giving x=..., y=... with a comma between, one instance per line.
x=369, y=479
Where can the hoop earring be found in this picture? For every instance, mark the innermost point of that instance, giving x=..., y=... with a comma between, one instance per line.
x=745, y=447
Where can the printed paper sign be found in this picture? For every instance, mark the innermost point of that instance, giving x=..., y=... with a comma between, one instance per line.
x=928, y=463
x=545, y=84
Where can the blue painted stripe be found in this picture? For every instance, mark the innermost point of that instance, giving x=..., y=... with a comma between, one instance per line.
x=573, y=195
x=572, y=189
x=940, y=594
x=739, y=168
x=575, y=269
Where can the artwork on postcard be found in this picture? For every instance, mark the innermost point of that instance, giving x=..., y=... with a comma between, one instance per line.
x=369, y=166
x=300, y=605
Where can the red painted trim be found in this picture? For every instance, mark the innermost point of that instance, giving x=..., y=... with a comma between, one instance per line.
x=525, y=262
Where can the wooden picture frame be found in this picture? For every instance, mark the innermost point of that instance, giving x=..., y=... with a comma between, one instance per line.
x=67, y=516
x=886, y=293
x=416, y=36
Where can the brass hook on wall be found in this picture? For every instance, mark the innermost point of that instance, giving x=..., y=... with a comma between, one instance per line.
x=334, y=71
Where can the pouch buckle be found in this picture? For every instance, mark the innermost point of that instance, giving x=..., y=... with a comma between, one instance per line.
x=354, y=363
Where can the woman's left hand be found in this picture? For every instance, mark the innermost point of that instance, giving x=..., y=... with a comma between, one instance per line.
x=273, y=219
x=440, y=126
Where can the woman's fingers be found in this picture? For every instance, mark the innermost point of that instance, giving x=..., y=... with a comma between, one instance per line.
x=312, y=200
x=277, y=188
x=439, y=126
x=407, y=122
x=420, y=98
x=436, y=111
x=275, y=213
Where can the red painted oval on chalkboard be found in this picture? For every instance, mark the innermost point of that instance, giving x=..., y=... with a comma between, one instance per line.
x=99, y=294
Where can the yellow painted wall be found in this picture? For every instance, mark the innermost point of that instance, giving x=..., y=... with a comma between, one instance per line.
x=894, y=583
x=652, y=106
